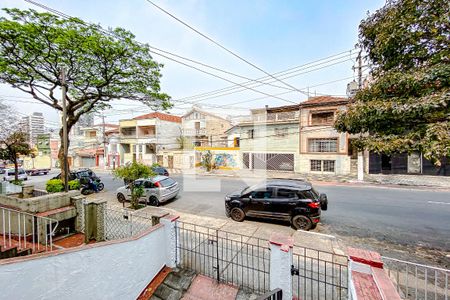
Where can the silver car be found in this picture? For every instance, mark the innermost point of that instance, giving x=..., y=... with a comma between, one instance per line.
x=157, y=189
x=10, y=174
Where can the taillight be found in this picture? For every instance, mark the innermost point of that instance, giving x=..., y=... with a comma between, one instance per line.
x=314, y=204
x=157, y=184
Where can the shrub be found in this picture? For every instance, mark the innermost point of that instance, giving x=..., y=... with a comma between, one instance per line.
x=74, y=184
x=17, y=182
x=54, y=186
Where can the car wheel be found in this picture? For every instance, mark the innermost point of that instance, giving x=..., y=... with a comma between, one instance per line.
x=237, y=214
x=153, y=201
x=121, y=198
x=100, y=186
x=324, y=207
x=313, y=226
x=301, y=222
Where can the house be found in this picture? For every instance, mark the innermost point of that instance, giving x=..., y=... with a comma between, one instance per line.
x=322, y=148
x=88, y=147
x=141, y=138
x=270, y=138
x=203, y=128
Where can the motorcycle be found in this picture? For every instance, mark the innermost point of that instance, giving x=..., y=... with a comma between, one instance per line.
x=86, y=189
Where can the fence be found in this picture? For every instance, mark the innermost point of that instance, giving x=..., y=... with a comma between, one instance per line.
x=230, y=258
x=26, y=231
x=319, y=274
x=416, y=281
x=9, y=188
x=124, y=223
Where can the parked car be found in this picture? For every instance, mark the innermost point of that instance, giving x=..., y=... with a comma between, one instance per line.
x=10, y=174
x=157, y=190
x=290, y=200
x=2, y=170
x=84, y=172
x=160, y=171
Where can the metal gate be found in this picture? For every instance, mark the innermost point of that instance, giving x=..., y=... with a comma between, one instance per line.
x=318, y=275
x=230, y=258
x=273, y=161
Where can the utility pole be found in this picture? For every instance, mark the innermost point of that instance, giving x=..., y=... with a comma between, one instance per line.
x=360, y=153
x=65, y=133
x=104, y=142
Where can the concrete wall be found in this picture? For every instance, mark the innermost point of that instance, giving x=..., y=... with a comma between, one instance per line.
x=264, y=139
x=109, y=270
x=224, y=158
x=167, y=134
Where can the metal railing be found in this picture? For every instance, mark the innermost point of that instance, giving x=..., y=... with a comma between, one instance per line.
x=26, y=231
x=230, y=258
x=276, y=294
x=125, y=223
x=417, y=281
x=319, y=274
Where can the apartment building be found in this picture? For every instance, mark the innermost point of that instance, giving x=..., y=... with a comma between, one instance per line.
x=33, y=125
x=141, y=138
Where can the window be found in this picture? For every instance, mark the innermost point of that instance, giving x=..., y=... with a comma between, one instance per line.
x=307, y=195
x=280, y=132
x=237, y=142
x=328, y=165
x=251, y=134
x=322, y=165
x=148, y=185
x=167, y=182
x=126, y=148
x=285, y=193
x=322, y=118
x=316, y=165
x=266, y=194
x=322, y=145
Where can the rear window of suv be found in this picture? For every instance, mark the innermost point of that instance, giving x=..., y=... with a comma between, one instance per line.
x=308, y=194
x=167, y=182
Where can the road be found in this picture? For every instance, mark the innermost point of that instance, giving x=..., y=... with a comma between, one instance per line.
x=393, y=216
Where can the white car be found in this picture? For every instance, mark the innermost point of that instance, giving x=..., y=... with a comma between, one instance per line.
x=10, y=174
x=157, y=189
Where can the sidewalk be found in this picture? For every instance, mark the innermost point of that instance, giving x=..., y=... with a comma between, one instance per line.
x=309, y=239
x=395, y=179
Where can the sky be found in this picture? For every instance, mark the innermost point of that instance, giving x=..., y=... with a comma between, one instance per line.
x=273, y=35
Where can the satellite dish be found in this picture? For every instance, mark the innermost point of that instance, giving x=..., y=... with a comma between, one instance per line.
x=352, y=88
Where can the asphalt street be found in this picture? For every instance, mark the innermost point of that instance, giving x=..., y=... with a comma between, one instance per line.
x=410, y=217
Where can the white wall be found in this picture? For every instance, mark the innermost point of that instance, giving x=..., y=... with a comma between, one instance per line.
x=114, y=271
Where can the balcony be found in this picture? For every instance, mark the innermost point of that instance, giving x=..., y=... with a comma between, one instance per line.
x=194, y=132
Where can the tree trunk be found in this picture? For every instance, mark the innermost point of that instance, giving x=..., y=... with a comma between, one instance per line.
x=61, y=150
x=16, y=168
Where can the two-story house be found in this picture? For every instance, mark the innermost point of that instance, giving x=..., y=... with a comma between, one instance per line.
x=88, y=146
x=203, y=128
x=322, y=148
x=142, y=137
x=269, y=139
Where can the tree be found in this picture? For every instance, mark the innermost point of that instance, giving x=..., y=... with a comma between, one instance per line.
x=184, y=143
x=207, y=161
x=406, y=107
x=14, y=145
x=101, y=65
x=130, y=173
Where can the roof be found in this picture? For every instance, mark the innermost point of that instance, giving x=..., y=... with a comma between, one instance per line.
x=277, y=108
x=106, y=125
x=160, y=116
x=324, y=100
x=206, y=113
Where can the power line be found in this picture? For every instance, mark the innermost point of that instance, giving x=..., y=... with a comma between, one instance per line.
x=222, y=47
x=61, y=14
x=285, y=72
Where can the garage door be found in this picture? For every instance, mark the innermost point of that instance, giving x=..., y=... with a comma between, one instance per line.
x=273, y=161
x=87, y=162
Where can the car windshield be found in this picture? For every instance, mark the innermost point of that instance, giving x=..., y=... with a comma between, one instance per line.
x=167, y=182
x=252, y=188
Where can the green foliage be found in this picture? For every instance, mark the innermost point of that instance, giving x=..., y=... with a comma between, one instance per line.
x=12, y=145
x=100, y=65
x=74, y=184
x=17, y=182
x=130, y=173
x=207, y=161
x=54, y=186
x=155, y=165
x=407, y=105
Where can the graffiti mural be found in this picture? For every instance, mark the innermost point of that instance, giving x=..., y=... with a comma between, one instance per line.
x=225, y=160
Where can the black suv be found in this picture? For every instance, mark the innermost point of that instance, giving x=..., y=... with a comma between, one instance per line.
x=291, y=200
